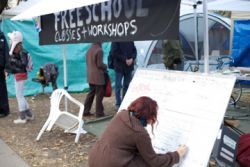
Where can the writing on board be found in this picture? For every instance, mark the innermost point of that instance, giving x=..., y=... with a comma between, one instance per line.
x=191, y=109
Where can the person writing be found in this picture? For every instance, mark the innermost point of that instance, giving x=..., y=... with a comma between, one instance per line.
x=126, y=142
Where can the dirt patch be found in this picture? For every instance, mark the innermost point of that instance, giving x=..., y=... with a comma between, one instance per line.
x=55, y=148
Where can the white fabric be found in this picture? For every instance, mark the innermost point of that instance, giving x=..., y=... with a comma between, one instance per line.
x=22, y=103
x=230, y=5
x=15, y=38
x=44, y=7
x=22, y=6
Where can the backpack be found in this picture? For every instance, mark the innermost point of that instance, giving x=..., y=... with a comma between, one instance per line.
x=243, y=154
x=107, y=86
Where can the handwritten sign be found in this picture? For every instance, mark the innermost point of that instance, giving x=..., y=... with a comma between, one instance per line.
x=114, y=20
x=191, y=110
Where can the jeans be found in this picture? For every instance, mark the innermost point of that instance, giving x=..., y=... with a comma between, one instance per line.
x=22, y=103
x=121, y=83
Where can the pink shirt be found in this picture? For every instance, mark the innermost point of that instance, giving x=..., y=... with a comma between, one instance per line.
x=21, y=76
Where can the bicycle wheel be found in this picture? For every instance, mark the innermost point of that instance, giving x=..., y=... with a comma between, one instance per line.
x=236, y=93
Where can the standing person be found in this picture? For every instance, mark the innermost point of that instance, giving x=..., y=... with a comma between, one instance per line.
x=19, y=60
x=173, y=55
x=95, y=76
x=124, y=55
x=4, y=56
x=126, y=142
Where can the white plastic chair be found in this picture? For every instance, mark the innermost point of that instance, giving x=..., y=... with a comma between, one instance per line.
x=64, y=119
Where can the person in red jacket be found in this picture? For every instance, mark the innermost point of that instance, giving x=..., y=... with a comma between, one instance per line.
x=126, y=142
x=19, y=64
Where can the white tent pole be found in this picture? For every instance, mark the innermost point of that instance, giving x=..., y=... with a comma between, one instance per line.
x=206, y=41
x=65, y=67
x=65, y=75
x=195, y=33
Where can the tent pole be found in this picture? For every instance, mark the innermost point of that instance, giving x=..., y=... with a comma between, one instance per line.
x=65, y=68
x=65, y=75
x=195, y=33
x=206, y=42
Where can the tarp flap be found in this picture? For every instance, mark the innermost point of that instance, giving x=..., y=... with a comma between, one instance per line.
x=76, y=64
x=115, y=20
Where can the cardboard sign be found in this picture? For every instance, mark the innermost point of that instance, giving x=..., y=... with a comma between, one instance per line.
x=227, y=150
x=191, y=109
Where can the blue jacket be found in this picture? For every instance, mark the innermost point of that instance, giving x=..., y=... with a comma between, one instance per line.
x=121, y=51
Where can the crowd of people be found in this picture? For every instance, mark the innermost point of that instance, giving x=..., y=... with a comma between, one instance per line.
x=121, y=143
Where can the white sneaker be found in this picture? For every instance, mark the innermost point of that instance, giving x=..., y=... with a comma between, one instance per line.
x=20, y=121
x=30, y=118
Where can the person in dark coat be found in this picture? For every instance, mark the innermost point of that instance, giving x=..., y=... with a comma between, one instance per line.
x=126, y=142
x=4, y=56
x=95, y=76
x=124, y=55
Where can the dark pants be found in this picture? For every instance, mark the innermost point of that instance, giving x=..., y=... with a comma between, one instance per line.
x=98, y=91
x=4, y=103
x=53, y=82
x=121, y=83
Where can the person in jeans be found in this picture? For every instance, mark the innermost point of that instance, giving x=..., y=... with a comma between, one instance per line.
x=96, y=80
x=124, y=55
x=19, y=62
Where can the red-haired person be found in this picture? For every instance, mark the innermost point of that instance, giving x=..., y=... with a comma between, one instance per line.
x=126, y=142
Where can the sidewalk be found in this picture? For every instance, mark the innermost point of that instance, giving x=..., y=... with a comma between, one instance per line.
x=8, y=158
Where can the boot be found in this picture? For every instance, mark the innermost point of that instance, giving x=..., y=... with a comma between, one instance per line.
x=29, y=115
x=21, y=119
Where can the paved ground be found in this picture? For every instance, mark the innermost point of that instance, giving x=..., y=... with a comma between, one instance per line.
x=8, y=158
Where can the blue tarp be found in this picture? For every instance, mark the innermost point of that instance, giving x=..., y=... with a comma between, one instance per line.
x=241, y=43
x=76, y=64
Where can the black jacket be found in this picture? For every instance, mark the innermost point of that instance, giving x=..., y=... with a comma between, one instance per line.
x=121, y=51
x=4, y=52
x=19, y=62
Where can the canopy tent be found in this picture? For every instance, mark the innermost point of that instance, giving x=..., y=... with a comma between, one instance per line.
x=222, y=5
x=44, y=7
x=230, y=5
x=240, y=36
x=23, y=6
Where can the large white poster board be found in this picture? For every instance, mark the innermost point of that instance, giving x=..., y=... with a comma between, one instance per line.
x=191, y=110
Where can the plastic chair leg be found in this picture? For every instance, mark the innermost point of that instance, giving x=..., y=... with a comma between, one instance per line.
x=43, y=129
x=79, y=131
